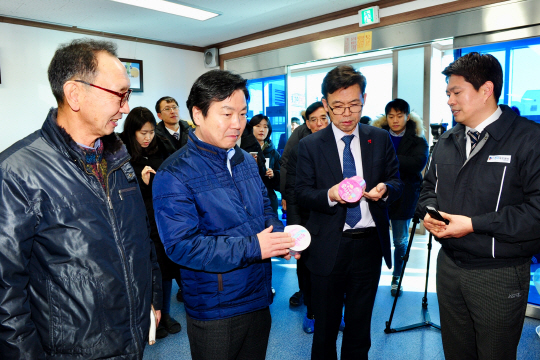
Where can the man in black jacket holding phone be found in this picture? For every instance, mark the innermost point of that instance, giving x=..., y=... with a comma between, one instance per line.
x=484, y=178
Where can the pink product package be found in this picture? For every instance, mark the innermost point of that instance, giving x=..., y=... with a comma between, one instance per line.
x=352, y=189
x=301, y=237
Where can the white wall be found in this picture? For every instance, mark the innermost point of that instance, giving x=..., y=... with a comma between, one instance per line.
x=25, y=94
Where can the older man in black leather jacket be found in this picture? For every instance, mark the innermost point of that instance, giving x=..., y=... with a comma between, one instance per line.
x=77, y=266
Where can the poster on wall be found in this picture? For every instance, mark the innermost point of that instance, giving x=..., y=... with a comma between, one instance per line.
x=134, y=70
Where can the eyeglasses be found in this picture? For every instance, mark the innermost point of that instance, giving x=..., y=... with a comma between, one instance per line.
x=124, y=97
x=172, y=108
x=314, y=119
x=340, y=110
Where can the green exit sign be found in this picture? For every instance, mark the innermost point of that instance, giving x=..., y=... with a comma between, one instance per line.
x=369, y=16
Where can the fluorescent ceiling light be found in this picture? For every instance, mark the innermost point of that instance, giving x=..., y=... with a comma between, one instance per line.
x=171, y=8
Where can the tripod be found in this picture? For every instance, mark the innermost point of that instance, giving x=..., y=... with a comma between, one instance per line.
x=425, y=311
x=437, y=131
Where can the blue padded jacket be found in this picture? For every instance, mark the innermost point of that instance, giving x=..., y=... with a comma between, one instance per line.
x=208, y=222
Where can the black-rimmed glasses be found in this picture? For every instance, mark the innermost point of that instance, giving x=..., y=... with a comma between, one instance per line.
x=340, y=110
x=124, y=97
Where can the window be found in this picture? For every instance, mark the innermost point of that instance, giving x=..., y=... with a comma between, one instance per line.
x=267, y=97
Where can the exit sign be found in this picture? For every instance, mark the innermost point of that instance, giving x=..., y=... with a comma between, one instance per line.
x=369, y=16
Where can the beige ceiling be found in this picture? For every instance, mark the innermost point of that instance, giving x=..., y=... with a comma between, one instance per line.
x=237, y=17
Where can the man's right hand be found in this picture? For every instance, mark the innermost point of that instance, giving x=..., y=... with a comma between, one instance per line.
x=274, y=243
x=432, y=225
x=333, y=194
x=284, y=204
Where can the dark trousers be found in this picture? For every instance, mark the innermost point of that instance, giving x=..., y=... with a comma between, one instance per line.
x=482, y=311
x=242, y=337
x=304, y=283
x=356, y=273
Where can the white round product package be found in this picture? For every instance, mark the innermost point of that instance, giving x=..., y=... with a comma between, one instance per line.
x=301, y=237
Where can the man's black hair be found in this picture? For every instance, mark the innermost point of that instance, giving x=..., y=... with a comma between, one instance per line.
x=295, y=120
x=477, y=69
x=214, y=86
x=167, y=99
x=399, y=105
x=341, y=77
x=76, y=60
x=313, y=107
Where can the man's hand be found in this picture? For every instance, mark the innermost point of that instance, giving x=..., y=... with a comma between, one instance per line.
x=270, y=173
x=333, y=194
x=284, y=204
x=274, y=244
x=376, y=193
x=458, y=226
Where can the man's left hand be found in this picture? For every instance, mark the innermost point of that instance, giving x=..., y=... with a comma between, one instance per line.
x=376, y=193
x=458, y=226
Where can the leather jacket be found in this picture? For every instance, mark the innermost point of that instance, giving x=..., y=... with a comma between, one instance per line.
x=77, y=266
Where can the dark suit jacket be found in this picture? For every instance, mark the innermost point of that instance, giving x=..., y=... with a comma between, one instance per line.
x=319, y=169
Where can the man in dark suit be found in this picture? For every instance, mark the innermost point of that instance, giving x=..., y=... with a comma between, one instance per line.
x=171, y=131
x=348, y=240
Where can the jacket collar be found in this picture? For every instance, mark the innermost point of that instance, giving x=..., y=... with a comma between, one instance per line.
x=213, y=152
x=114, y=150
x=496, y=129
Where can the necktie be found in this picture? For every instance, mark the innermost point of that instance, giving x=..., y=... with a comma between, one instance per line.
x=349, y=170
x=475, y=136
x=176, y=135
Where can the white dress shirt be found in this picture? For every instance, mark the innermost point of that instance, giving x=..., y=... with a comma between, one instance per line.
x=172, y=132
x=367, y=219
x=480, y=128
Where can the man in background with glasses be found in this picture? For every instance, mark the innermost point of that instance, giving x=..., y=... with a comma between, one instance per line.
x=78, y=272
x=171, y=131
x=349, y=240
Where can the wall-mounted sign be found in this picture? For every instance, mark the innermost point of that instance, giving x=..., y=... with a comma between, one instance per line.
x=369, y=16
x=358, y=42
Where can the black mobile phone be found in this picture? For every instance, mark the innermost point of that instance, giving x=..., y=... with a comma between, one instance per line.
x=436, y=215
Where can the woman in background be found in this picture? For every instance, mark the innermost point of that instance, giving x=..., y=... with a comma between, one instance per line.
x=146, y=157
x=262, y=129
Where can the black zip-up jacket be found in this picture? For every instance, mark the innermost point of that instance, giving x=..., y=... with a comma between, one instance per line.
x=77, y=266
x=498, y=186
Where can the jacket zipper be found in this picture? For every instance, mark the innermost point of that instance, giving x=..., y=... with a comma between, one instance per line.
x=122, y=253
x=497, y=209
x=239, y=193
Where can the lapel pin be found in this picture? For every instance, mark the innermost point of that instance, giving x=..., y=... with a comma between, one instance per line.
x=369, y=141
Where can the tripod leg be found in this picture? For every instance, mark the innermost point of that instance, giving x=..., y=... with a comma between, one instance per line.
x=405, y=259
x=429, y=245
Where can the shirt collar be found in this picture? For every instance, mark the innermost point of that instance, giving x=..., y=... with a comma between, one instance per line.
x=486, y=122
x=338, y=134
x=396, y=135
x=172, y=132
x=96, y=145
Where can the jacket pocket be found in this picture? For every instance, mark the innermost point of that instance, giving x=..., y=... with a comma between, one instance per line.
x=126, y=192
x=76, y=310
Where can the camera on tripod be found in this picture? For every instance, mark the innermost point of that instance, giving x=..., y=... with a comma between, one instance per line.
x=437, y=130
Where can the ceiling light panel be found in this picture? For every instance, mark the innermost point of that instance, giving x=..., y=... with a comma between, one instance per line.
x=171, y=8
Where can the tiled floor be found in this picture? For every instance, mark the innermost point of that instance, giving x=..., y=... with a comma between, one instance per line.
x=288, y=341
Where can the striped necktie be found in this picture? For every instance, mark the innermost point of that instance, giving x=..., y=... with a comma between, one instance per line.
x=176, y=135
x=474, y=136
x=349, y=170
